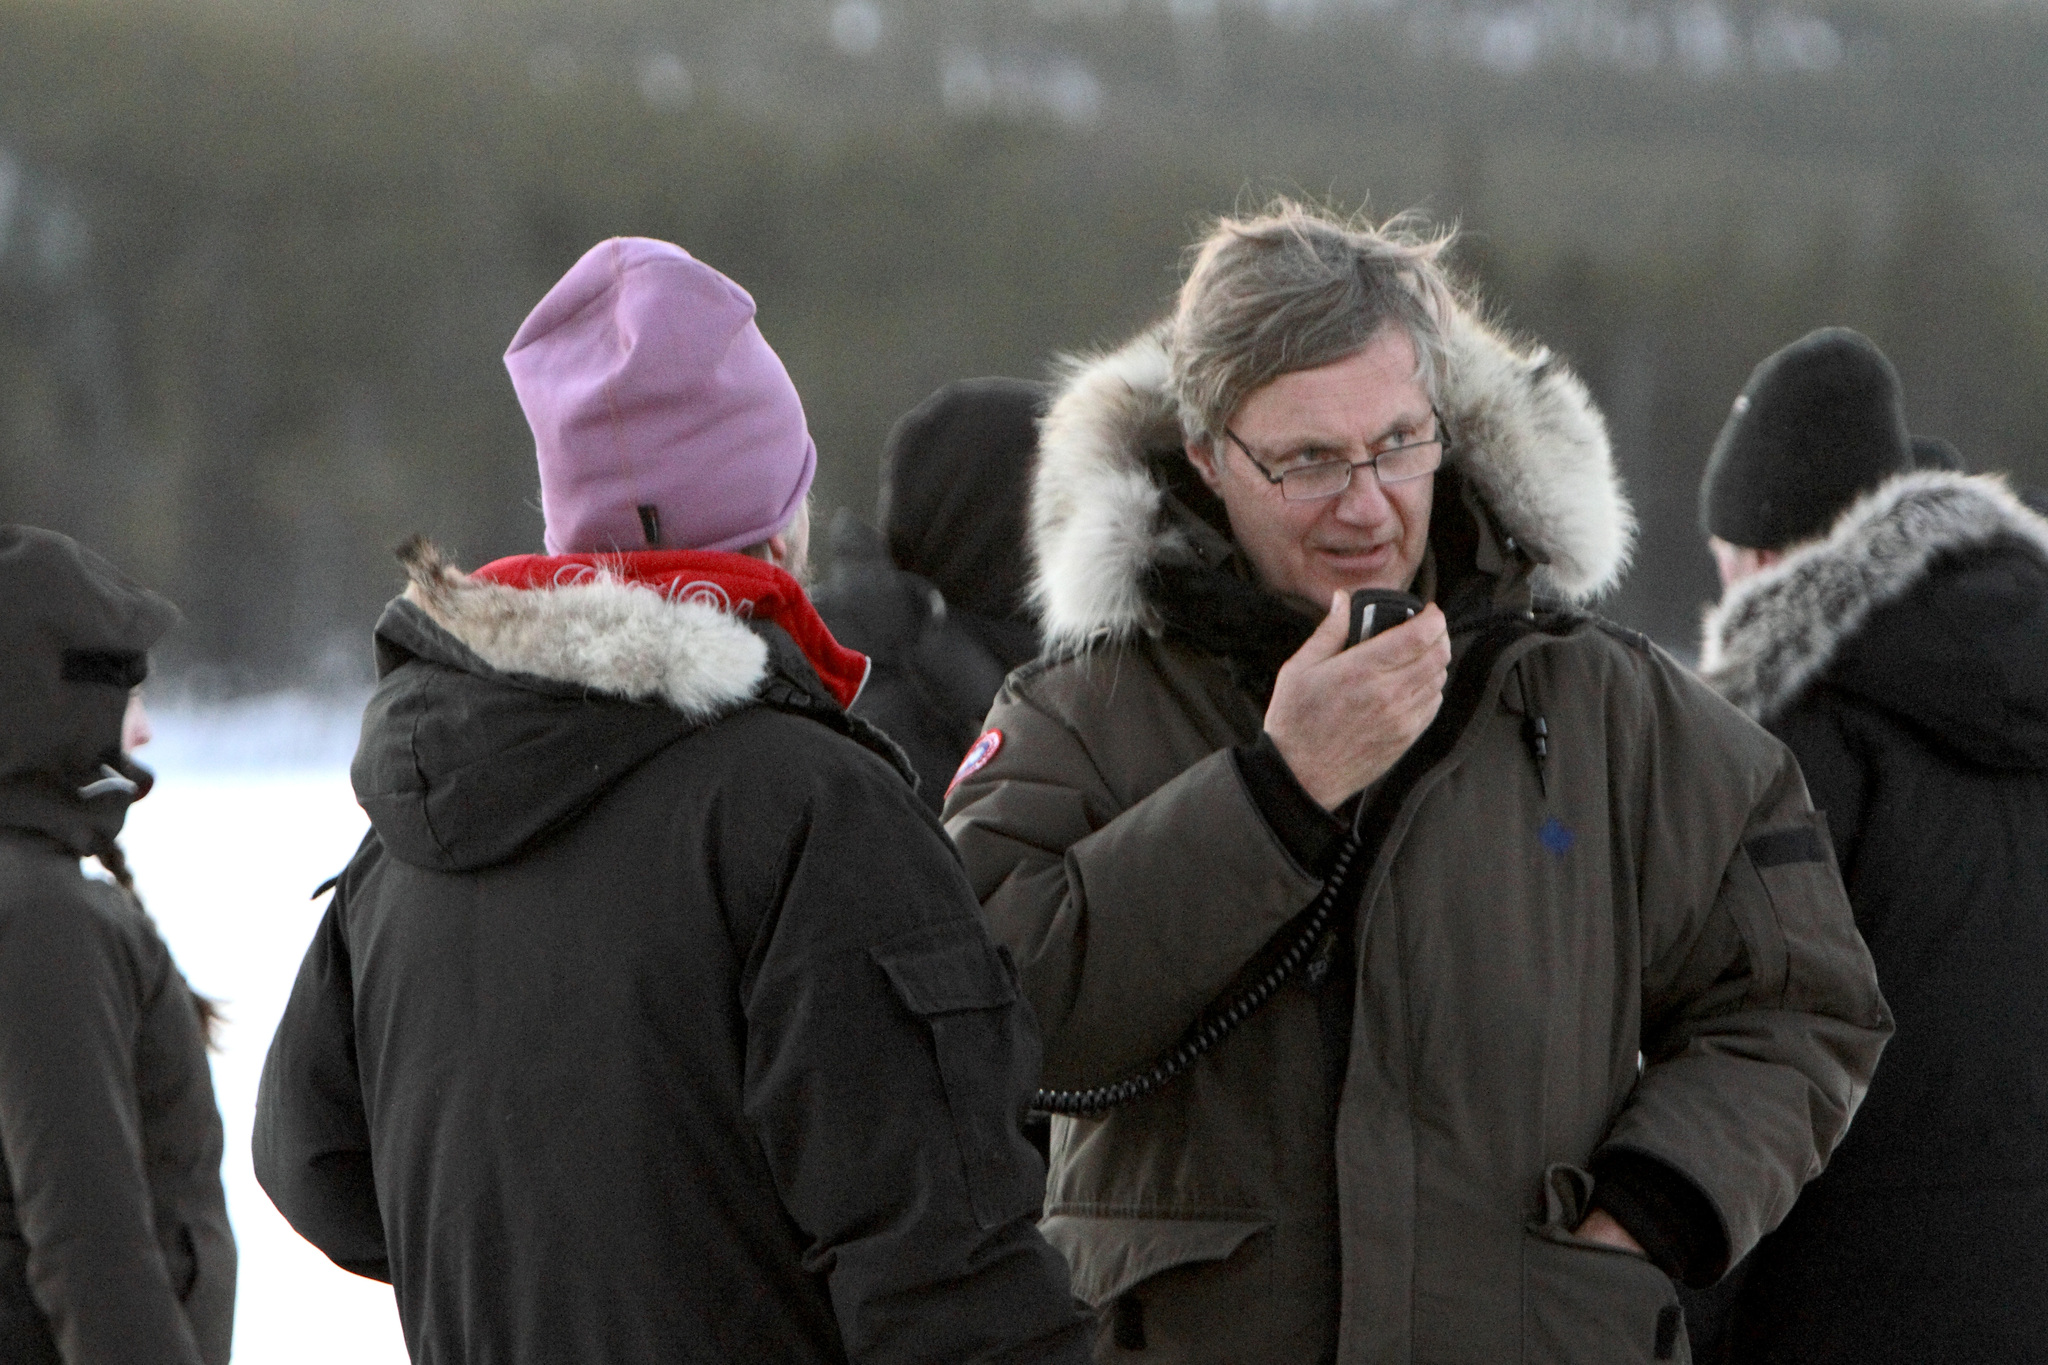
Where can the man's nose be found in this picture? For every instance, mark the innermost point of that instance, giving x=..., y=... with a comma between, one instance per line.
x=1363, y=502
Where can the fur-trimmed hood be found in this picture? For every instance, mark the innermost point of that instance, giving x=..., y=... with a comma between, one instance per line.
x=1529, y=442
x=598, y=632
x=1774, y=634
x=533, y=702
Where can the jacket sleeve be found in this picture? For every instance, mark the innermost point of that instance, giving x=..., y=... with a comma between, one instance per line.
x=1762, y=1021
x=72, y=989
x=890, y=1061
x=1127, y=918
x=312, y=1140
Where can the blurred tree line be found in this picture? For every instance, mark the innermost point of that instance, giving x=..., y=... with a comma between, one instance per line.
x=258, y=262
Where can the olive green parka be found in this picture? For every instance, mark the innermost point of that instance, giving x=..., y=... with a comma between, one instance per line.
x=1617, y=937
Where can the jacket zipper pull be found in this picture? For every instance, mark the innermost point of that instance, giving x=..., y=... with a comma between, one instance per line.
x=1536, y=734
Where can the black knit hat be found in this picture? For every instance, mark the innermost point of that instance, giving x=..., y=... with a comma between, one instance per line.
x=1818, y=423
x=956, y=491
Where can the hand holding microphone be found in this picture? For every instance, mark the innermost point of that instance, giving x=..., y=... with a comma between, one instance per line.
x=1360, y=691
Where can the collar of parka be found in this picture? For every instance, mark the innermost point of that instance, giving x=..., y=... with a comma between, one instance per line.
x=1531, y=449
x=598, y=631
x=1777, y=631
x=529, y=703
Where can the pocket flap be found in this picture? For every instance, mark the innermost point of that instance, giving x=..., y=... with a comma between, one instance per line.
x=945, y=968
x=1110, y=1255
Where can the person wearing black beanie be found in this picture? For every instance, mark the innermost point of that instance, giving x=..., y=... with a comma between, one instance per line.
x=936, y=597
x=1886, y=617
x=1818, y=423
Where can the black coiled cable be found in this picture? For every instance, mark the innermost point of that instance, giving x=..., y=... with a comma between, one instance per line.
x=1226, y=1014
x=1469, y=681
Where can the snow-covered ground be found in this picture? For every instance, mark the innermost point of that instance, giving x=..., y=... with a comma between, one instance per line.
x=251, y=811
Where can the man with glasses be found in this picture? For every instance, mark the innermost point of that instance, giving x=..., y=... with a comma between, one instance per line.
x=1436, y=997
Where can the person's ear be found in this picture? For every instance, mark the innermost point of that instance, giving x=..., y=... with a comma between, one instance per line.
x=1202, y=455
x=778, y=549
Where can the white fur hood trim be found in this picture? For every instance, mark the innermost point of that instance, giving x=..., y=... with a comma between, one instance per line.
x=1528, y=437
x=1776, y=631
x=600, y=632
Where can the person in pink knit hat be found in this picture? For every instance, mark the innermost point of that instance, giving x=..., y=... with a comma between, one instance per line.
x=661, y=418
x=655, y=1019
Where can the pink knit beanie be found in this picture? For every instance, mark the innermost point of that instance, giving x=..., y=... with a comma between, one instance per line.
x=661, y=418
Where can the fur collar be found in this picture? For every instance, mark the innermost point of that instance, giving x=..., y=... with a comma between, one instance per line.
x=1530, y=442
x=1775, y=632
x=600, y=632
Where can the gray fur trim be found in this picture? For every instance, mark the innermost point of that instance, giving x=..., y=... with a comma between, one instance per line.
x=1529, y=439
x=597, y=631
x=1776, y=631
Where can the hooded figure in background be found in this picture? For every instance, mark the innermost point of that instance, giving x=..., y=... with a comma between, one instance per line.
x=114, y=1240
x=1886, y=615
x=654, y=1019
x=937, y=599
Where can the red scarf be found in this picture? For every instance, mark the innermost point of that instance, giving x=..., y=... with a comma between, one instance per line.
x=737, y=584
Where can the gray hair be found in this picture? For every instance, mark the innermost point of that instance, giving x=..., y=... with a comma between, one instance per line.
x=1295, y=288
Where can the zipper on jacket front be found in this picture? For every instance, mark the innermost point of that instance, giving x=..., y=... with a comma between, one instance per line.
x=1535, y=729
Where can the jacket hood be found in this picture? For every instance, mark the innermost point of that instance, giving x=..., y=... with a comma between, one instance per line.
x=78, y=632
x=503, y=712
x=1530, y=446
x=956, y=475
x=1929, y=597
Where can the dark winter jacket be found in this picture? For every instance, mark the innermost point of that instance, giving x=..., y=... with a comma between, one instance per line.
x=1615, y=970
x=936, y=669
x=114, y=1241
x=657, y=1029
x=937, y=598
x=1905, y=661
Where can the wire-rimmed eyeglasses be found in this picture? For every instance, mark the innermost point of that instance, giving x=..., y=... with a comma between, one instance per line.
x=1320, y=479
